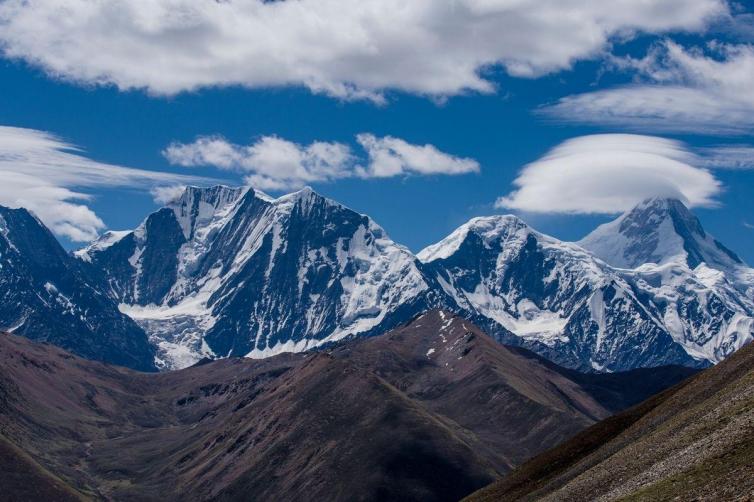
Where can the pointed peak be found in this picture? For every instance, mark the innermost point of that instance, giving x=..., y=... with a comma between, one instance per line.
x=302, y=194
x=7, y=210
x=662, y=204
x=496, y=223
x=104, y=241
x=495, y=228
x=652, y=212
x=658, y=230
x=13, y=216
x=306, y=191
x=486, y=228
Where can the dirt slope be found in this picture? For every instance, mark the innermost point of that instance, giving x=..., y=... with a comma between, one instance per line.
x=430, y=411
x=692, y=442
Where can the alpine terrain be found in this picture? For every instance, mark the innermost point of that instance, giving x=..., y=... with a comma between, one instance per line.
x=694, y=441
x=47, y=295
x=231, y=271
x=648, y=289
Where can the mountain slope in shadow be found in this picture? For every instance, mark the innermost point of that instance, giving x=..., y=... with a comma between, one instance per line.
x=432, y=410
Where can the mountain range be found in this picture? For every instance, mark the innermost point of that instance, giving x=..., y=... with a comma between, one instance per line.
x=224, y=271
x=431, y=410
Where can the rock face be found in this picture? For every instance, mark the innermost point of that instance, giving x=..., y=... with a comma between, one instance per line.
x=431, y=410
x=47, y=295
x=228, y=271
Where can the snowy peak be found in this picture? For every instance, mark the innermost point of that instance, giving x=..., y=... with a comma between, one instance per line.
x=560, y=300
x=486, y=230
x=47, y=295
x=224, y=271
x=26, y=239
x=198, y=205
x=104, y=241
x=307, y=203
x=231, y=271
x=660, y=231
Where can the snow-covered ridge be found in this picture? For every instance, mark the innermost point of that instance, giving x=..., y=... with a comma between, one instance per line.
x=488, y=227
x=106, y=240
x=231, y=271
x=244, y=272
x=600, y=305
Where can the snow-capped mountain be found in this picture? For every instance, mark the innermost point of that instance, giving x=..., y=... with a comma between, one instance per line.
x=231, y=271
x=703, y=292
x=47, y=295
x=553, y=296
x=227, y=271
x=649, y=288
x=658, y=230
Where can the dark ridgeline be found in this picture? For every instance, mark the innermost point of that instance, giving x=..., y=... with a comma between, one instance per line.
x=48, y=295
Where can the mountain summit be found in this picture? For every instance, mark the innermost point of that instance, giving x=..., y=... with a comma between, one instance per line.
x=550, y=296
x=224, y=271
x=658, y=230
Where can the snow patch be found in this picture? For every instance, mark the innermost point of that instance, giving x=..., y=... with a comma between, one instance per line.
x=105, y=241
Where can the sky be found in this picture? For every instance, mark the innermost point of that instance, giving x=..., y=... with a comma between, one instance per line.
x=421, y=115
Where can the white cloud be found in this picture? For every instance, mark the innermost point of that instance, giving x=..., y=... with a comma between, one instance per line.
x=728, y=156
x=273, y=163
x=167, y=193
x=344, y=48
x=48, y=176
x=685, y=90
x=609, y=173
x=391, y=156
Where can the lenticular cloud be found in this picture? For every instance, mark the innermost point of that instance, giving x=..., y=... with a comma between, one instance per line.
x=609, y=173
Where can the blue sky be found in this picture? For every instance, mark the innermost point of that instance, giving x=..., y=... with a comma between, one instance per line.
x=118, y=116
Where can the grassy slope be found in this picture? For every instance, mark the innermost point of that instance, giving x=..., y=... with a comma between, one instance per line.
x=694, y=441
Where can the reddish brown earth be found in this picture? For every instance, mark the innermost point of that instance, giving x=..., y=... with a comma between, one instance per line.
x=430, y=411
